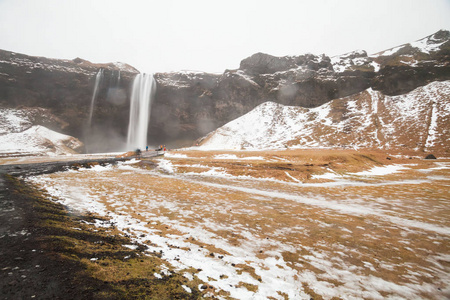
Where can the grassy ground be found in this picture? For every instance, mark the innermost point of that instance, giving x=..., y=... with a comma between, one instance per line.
x=300, y=164
x=65, y=256
x=312, y=235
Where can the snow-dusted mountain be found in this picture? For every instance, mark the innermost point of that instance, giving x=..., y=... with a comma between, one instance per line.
x=188, y=105
x=20, y=134
x=419, y=53
x=65, y=88
x=417, y=120
x=192, y=104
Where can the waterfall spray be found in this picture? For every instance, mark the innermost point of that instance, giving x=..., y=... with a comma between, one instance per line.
x=98, y=79
x=144, y=88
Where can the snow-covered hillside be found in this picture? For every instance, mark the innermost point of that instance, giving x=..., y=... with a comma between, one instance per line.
x=411, y=54
x=20, y=136
x=426, y=45
x=417, y=120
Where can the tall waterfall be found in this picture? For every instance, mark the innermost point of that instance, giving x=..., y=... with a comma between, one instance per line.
x=98, y=79
x=144, y=88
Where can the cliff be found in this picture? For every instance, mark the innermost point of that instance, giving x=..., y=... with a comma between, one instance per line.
x=192, y=104
x=65, y=88
x=188, y=105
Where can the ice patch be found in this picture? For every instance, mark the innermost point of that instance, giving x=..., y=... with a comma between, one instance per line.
x=132, y=247
x=433, y=128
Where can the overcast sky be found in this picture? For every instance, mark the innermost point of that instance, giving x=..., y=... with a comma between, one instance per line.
x=210, y=35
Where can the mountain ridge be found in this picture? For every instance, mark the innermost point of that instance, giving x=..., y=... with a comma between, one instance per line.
x=189, y=105
x=305, y=80
x=419, y=120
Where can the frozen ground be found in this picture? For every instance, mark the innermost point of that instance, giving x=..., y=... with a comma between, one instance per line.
x=367, y=231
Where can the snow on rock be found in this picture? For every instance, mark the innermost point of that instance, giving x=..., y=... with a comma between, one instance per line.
x=38, y=140
x=416, y=120
x=245, y=77
x=259, y=128
x=351, y=60
x=124, y=67
x=184, y=79
x=12, y=120
x=22, y=133
x=388, y=52
x=426, y=45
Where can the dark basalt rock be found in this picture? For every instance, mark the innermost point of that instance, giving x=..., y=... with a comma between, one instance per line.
x=65, y=88
x=201, y=101
x=188, y=105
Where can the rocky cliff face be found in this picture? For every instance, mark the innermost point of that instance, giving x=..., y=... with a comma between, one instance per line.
x=188, y=105
x=199, y=102
x=65, y=88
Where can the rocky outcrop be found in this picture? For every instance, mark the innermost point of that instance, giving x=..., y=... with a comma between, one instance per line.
x=65, y=88
x=406, y=67
x=188, y=105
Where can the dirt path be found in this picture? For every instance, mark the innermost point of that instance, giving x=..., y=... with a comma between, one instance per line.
x=27, y=271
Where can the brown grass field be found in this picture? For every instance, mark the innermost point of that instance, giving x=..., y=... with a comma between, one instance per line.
x=293, y=224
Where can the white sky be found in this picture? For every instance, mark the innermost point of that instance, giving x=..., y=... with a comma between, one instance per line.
x=211, y=35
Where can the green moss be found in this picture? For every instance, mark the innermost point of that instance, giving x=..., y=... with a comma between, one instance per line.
x=101, y=267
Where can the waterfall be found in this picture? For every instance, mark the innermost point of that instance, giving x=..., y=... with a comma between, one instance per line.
x=115, y=79
x=144, y=88
x=98, y=79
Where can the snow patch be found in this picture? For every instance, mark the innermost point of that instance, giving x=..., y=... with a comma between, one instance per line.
x=234, y=157
x=174, y=155
x=381, y=171
x=166, y=166
x=38, y=140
